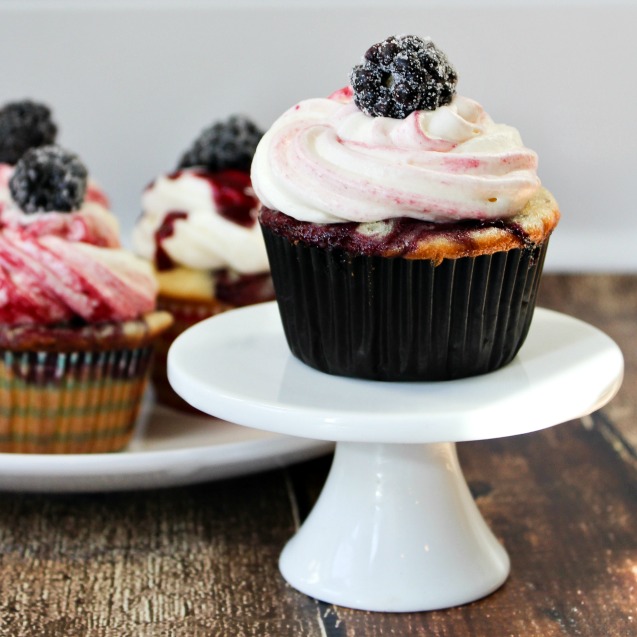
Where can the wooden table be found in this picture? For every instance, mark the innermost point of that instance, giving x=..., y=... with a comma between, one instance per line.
x=202, y=560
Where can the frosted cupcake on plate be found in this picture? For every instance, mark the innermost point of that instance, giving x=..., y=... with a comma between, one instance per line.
x=199, y=229
x=77, y=313
x=406, y=230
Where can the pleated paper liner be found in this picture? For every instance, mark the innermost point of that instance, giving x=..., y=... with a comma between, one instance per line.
x=70, y=402
x=397, y=319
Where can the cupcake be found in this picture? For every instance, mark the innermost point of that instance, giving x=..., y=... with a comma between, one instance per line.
x=199, y=229
x=406, y=231
x=77, y=312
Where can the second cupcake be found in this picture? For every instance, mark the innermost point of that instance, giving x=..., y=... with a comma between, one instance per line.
x=77, y=313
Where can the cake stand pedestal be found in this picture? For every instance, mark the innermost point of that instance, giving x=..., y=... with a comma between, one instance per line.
x=395, y=527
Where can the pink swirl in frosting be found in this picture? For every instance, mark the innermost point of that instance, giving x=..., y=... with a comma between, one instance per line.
x=65, y=267
x=324, y=161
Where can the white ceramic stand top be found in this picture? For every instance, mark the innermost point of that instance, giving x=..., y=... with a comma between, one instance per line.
x=395, y=528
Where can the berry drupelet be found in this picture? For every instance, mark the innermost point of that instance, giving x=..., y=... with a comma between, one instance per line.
x=24, y=125
x=224, y=145
x=48, y=178
x=401, y=75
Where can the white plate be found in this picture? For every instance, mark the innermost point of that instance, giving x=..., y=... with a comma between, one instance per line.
x=169, y=449
x=395, y=527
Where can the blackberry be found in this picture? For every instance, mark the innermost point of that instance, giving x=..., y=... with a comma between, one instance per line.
x=48, y=178
x=24, y=125
x=401, y=75
x=224, y=145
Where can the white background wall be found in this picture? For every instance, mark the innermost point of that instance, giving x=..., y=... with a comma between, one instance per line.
x=132, y=83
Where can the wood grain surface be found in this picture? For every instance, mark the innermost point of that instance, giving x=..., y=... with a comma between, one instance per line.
x=202, y=560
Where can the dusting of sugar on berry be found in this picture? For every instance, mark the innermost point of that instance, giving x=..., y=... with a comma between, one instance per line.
x=49, y=178
x=401, y=75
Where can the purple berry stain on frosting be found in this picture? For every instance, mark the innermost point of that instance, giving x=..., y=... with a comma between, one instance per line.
x=233, y=196
x=165, y=230
x=401, y=75
x=233, y=200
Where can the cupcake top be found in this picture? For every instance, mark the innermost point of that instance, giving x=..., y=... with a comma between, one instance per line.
x=203, y=216
x=398, y=143
x=61, y=262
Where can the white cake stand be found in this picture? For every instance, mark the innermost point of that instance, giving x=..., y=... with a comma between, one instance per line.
x=395, y=527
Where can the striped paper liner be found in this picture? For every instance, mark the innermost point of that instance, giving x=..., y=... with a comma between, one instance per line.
x=70, y=402
x=404, y=320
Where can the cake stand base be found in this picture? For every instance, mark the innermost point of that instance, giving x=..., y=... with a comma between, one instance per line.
x=395, y=529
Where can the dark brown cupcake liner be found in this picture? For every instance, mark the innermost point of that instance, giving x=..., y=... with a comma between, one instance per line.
x=398, y=319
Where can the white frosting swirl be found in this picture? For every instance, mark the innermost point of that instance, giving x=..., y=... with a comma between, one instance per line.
x=203, y=239
x=57, y=266
x=324, y=161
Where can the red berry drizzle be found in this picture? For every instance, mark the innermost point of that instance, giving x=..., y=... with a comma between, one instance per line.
x=232, y=198
x=167, y=229
x=231, y=192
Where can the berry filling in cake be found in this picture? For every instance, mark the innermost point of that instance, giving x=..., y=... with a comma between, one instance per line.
x=400, y=237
